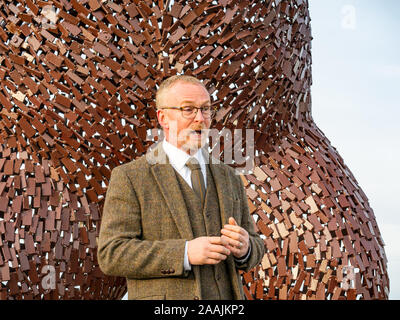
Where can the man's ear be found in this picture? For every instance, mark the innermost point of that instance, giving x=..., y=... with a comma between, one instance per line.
x=161, y=117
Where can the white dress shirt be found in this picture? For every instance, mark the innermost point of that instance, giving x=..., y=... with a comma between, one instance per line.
x=178, y=159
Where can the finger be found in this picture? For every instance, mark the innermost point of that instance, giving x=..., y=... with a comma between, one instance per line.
x=216, y=256
x=215, y=240
x=212, y=261
x=242, y=232
x=232, y=221
x=237, y=246
x=232, y=234
x=233, y=243
x=224, y=240
x=220, y=249
x=235, y=251
x=218, y=241
x=237, y=229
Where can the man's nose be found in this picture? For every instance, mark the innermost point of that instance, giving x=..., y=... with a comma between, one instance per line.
x=199, y=116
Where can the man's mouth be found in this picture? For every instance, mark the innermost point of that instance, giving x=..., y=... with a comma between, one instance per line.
x=197, y=134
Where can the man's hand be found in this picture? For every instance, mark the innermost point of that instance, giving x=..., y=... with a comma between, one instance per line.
x=207, y=250
x=237, y=238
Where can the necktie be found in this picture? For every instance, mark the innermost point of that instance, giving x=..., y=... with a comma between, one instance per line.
x=197, y=178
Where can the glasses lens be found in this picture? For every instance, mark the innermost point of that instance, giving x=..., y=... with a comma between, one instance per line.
x=191, y=112
x=206, y=112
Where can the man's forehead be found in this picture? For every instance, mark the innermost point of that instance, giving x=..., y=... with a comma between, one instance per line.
x=185, y=92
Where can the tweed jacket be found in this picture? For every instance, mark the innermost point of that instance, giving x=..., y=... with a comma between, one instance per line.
x=145, y=225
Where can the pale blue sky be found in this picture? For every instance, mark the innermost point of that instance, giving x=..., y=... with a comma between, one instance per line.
x=356, y=77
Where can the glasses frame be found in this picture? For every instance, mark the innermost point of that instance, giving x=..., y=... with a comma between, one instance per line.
x=213, y=111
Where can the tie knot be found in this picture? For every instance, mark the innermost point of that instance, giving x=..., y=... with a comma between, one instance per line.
x=193, y=164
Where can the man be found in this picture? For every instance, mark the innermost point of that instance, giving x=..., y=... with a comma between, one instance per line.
x=174, y=224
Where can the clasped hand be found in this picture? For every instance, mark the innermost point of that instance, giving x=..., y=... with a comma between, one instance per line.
x=212, y=250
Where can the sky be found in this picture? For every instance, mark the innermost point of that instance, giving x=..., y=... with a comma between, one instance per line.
x=356, y=81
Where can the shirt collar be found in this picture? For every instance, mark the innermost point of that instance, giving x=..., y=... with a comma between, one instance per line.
x=178, y=157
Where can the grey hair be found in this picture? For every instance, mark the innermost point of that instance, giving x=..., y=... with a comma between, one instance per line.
x=167, y=83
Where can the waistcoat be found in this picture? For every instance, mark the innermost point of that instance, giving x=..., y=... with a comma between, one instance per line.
x=205, y=220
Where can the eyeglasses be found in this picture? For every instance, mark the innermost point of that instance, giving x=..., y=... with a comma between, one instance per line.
x=190, y=112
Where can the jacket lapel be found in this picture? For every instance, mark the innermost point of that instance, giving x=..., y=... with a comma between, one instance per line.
x=164, y=175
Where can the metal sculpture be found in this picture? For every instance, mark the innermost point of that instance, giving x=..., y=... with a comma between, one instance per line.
x=78, y=81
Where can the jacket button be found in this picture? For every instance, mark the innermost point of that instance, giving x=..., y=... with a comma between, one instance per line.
x=171, y=270
x=196, y=298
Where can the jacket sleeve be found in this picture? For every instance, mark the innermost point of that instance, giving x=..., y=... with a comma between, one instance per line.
x=121, y=249
x=256, y=242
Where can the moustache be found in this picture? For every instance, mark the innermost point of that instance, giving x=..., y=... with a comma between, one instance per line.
x=198, y=128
